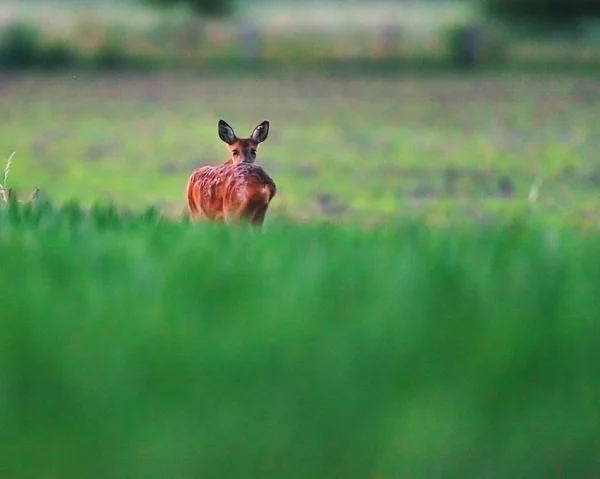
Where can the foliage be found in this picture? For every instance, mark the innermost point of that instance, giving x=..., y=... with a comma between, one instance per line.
x=23, y=46
x=474, y=45
x=543, y=11
x=20, y=46
x=58, y=55
x=209, y=8
x=136, y=347
x=111, y=55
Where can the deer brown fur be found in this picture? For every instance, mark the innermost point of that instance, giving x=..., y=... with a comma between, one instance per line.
x=237, y=190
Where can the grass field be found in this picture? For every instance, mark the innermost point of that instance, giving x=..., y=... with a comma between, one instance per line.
x=136, y=348
x=457, y=339
x=358, y=148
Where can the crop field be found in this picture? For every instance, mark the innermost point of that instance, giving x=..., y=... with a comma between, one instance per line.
x=421, y=303
x=355, y=148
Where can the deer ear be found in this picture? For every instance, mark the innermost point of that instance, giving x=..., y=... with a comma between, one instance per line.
x=226, y=133
x=261, y=132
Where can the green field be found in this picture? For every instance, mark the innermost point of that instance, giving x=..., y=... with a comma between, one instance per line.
x=359, y=149
x=407, y=311
x=137, y=348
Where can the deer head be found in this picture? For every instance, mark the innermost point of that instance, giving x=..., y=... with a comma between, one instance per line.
x=243, y=150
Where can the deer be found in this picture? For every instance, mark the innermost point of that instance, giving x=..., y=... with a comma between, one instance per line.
x=236, y=191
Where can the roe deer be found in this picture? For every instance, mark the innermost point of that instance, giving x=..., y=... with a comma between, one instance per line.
x=238, y=189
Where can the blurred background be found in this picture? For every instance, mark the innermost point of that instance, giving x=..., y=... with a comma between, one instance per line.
x=378, y=109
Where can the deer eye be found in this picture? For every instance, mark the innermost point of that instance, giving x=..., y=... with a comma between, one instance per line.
x=253, y=152
x=236, y=152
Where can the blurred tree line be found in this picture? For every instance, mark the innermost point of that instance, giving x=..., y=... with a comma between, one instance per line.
x=542, y=11
x=210, y=8
x=514, y=11
x=470, y=43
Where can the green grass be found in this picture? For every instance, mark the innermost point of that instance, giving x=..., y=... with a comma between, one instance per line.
x=137, y=347
x=366, y=149
x=458, y=338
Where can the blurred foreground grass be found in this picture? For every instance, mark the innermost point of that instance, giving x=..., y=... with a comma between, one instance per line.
x=134, y=347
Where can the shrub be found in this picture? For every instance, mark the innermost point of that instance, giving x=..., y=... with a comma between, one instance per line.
x=566, y=13
x=58, y=54
x=475, y=45
x=110, y=55
x=21, y=46
x=209, y=8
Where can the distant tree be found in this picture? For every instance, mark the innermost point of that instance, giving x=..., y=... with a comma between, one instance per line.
x=544, y=12
x=209, y=8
